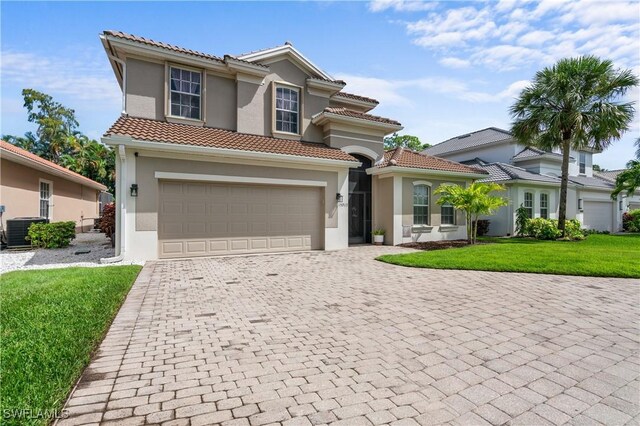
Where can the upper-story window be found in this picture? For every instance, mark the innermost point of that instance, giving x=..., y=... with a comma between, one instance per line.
x=421, y=205
x=287, y=109
x=186, y=89
x=583, y=162
x=544, y=205
x=528, y=204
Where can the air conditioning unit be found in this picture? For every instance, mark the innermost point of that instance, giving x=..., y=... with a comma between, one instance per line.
x=18, y=229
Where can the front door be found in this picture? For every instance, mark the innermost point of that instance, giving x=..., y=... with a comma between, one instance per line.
x=360, y=203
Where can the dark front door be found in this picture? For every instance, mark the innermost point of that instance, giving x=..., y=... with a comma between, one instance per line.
x=360, y=203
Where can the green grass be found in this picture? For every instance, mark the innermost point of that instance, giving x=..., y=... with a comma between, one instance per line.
x=598, y=255
x=50, y=323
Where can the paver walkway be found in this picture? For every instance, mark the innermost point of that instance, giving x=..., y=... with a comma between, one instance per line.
x=337, y=337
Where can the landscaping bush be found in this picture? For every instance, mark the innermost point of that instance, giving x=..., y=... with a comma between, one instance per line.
x=483, y=226
x=547, y=229
x=51, y=235
x=631, y=221
x=522, y=218
x=108, y=222
x=542, y=229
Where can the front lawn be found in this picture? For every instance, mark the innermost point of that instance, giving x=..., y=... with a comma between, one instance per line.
x=50, y=323
x=598, y=255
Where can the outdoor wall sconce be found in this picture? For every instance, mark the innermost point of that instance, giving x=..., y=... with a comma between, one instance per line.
x=579, y=203
x=134, y=189
x=339, y=197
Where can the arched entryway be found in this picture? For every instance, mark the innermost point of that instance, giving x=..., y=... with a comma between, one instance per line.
x=360, y=202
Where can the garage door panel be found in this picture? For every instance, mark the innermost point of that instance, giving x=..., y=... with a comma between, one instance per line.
x=598, y=215
x=198, y=219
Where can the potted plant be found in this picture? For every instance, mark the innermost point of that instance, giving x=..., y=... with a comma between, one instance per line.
x=378, y=236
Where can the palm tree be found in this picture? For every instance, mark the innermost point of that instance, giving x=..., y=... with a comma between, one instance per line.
x=628, y=180
x=637, y=144
x=573, y=105
x=474, y=200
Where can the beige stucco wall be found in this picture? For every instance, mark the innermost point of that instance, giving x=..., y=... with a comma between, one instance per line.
x=221, y=103
x=341, y=139
x=383, y=206
x=19, y=193
x=145, y=89
x=255, y=102
x=434, y=207
x=147, y=200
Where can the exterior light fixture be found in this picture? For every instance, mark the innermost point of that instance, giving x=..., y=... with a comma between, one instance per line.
x=339, y=197
x=579, y=203
x=134, y=189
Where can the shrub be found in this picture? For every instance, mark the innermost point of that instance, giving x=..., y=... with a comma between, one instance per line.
x=631, y=221
x=547, y=229
x=522, y=217
x=542, y=229
x=573, y=230
x=51, y=235
x=483, y=226
x=108, y=221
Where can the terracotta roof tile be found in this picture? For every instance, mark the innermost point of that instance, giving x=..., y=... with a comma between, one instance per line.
x=167, y=46
x=356, y=97
x=185, y=134
x=41, y=161
x=402, y=157
x=361, y=115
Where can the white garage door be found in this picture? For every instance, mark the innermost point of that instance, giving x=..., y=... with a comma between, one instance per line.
x=598, y=215
x=204, y=219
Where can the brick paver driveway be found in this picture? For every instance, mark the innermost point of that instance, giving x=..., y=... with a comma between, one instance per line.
x=330, y=337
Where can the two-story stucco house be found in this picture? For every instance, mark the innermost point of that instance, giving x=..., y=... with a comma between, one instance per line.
x=532, y=179
x=260, y=152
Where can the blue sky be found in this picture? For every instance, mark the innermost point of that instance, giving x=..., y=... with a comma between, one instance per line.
x=442, y=69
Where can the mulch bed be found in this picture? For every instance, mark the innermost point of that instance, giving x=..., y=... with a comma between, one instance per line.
x=436, y=245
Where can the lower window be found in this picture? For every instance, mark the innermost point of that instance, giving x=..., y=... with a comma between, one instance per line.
x=447, y=215
x=544, y=206
x=528, y=204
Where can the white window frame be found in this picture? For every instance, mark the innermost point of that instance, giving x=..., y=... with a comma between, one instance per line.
x=453, y=214
x=49, y=200
x=427, y=205
x=532, y=207
x=543, y=207
x=274, y=122
x=582, y=163
x=203, y=75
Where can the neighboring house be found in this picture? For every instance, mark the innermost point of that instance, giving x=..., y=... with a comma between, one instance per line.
x=261, y=152
x=625, y=202
x=31, y=186
x=532, y=179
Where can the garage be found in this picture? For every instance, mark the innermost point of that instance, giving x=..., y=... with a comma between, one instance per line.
x=598, y=215
x=205, y=219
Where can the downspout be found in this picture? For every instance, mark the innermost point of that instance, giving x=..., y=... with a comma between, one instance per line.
x=122, y=195
x=124, y=82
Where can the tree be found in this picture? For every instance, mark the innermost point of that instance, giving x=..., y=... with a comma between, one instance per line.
x=573, y=105
x=55, y=122
x=628, y=180
x=597, y=168
x=637, y=144
x=474, y=200
x=58, y=140
x=404, y=141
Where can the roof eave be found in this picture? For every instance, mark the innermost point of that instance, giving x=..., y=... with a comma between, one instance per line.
x=399, y=169
x=471, y=148
x=279, y=50
x=367, y=106
x=129, y=142
x=12, y=156
x=322, y=118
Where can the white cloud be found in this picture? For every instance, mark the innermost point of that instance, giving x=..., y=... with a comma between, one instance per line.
x=452, y=62
x=399, y=92
x=401, y=5
x=513, y=34
x=81, y=79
